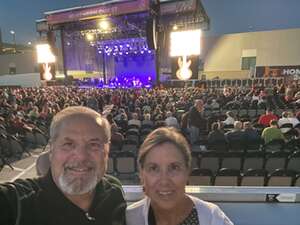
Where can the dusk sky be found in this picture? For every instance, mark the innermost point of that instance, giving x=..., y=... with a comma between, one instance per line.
x=227, y=16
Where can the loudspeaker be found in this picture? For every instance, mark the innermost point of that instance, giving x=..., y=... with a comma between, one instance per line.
x=151, y=33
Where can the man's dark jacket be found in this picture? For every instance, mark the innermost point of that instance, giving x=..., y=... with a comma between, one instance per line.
x=39, y=202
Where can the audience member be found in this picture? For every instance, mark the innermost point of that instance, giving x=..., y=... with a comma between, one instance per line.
x=272, y=132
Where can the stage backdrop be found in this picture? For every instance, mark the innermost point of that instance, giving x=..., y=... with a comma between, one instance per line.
x=141, y=66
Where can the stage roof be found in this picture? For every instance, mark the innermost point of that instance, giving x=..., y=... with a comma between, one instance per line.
x=171, y=12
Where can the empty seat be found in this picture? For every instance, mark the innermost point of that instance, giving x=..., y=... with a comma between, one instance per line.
x=210, y=160
x=42, y=164
x=281, y=177
x=195, y=160
x=296, y=181
x=200, y=177
x=254, y=177
x=253, y=160
x=133, y=137
x=129, y=145
x=125, y=164
x=293, y=162
x=111, y=164
x=227, y=177
x=275, y=160
x=232, y=160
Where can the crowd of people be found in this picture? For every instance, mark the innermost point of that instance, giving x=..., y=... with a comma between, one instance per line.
x=194, y=111
x=76, y=188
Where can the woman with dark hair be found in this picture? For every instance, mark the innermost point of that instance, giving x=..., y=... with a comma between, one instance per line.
x=164, y=161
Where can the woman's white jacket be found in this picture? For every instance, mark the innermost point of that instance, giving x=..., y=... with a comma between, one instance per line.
x=208, y=213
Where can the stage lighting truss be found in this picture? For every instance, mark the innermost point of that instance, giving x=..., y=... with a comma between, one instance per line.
x=126, y=26
x=123, y=47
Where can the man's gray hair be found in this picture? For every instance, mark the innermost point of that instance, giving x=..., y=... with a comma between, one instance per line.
x=74, y=112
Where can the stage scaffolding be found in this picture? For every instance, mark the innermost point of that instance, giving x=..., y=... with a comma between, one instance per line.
x=148, y=20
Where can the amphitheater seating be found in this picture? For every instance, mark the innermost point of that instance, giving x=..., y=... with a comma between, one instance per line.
x=275, y=160
x=253, y=160
x=200, y=177
x=254, y=177
x=281, y=177
x=227, y=177
x=293, y=162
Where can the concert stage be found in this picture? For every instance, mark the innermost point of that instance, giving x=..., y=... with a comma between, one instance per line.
x=119, y=43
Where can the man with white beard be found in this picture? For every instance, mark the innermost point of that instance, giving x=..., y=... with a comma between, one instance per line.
x=75, y=189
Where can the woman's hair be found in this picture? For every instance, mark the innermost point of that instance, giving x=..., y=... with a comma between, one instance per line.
x=165, y=135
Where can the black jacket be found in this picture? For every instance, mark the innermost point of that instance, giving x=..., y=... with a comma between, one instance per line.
x=42, y=203
x=196, y=119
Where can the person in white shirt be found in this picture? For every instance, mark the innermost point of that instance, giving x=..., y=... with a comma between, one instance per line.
x=135, y=120
x=165, y=161
x=230, y=118
x=171, y=121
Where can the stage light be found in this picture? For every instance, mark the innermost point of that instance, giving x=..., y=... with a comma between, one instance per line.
x=89, y=37
x=175, y=27
x=104, y=25
x=44, y=54
x=185, y=43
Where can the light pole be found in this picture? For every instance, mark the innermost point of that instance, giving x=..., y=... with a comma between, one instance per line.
x=13, y=33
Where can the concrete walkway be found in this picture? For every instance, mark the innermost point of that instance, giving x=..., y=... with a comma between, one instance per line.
x=24, y=168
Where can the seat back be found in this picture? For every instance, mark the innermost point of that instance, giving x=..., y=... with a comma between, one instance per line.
x=202, y=177
x=232, y=160
x=125, y=163
x=210, y=161
x=227, y=177
x=42, y=164
x=253, y=160
x=281, y=177
x=275, y=160
x=294, y=162
x=256, y=177
x=111, y=164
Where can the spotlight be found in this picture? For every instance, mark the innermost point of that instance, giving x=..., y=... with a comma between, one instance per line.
x=104, y=24
x=89, y=37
